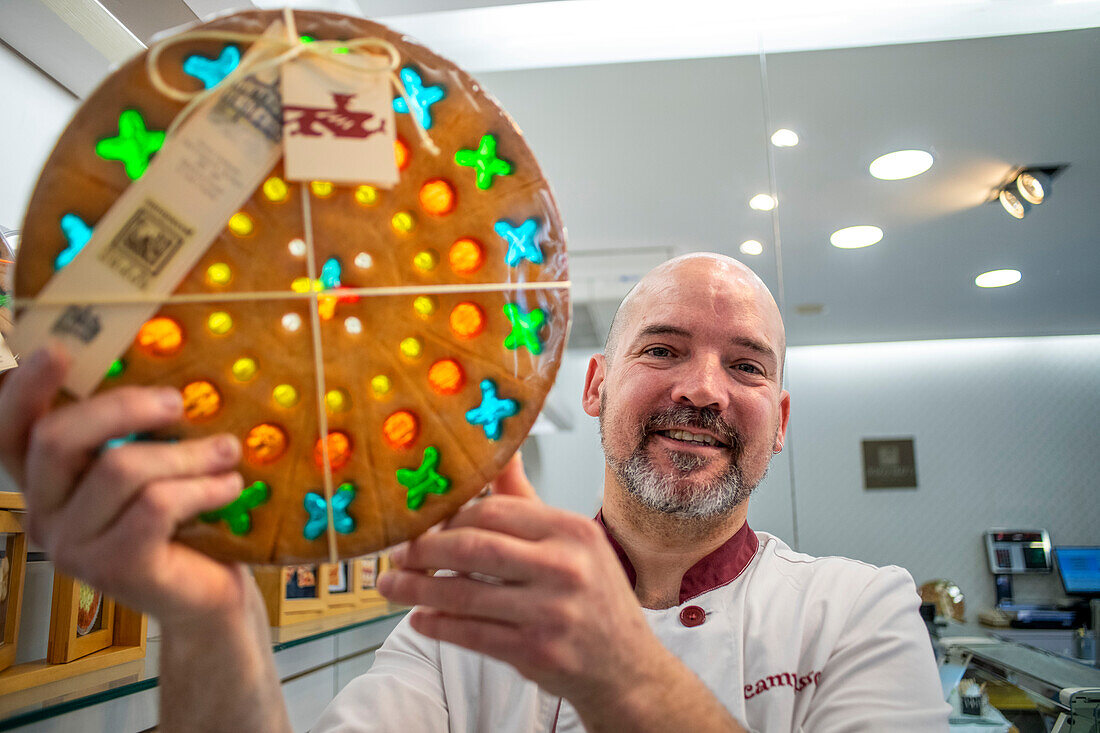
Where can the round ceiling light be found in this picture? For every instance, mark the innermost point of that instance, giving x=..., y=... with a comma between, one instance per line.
x=856, y=237
x=784, y=138
x=1031, y=188
x=997, y=278
x=762, y=202
x=1012, y=204
x=901, y=164
x=751, y=247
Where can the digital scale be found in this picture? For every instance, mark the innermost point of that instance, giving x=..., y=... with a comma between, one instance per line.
x=1020, y=552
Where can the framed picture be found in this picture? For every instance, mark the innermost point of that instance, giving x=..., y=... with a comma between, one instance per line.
x=82, y=620
x=367, y=570
x=337, y=592
x=291, y=593
x=13, y=570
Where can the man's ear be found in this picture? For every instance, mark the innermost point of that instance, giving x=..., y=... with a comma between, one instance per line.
x=593, y=385
x=784, y=419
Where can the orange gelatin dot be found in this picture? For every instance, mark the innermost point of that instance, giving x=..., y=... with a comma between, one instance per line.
x=265, y=443
x=160, y=337
x=467, y=320
x=446, y=377
x=401, y=154
x=466, y=256
x=339, y=450
x=201, y=400
x=437, y=197
x=400, y=429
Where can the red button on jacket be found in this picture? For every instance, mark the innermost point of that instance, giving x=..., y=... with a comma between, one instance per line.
x=692, y=616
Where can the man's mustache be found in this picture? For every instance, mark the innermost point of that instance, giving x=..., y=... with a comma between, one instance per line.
x=703, y=418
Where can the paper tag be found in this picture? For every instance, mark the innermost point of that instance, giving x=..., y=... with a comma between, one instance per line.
x=160, y=226
x=338, y=120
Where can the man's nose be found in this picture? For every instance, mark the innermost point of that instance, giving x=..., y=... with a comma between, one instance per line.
x=702, y=383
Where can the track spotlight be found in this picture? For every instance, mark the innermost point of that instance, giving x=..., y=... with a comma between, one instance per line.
x=1014, y=205
x=1032, y=186
x=1026, y=187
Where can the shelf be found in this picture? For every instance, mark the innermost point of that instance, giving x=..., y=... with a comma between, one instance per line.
x=131, y=677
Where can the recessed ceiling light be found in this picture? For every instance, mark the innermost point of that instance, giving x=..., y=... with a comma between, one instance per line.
x=1012, y=203
x=997, y=278
x=751, y=247
x=856, y=237
x=784, y=138
x=901, y=164
x=1031, y=187
x=762, y=202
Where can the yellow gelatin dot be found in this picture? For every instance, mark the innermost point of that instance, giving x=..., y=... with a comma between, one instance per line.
x=366, y=195
x=410, y=347
x=336, y=400
x=241, y=224
x=400, y=429
x=219, y=323
x=275, y=189
x=380, y=385
x=425, y=305
x=303, y=285
x=201, y=400
x=401, y=154
x=446, y=377
x=467, y=320
x=425, y=260
x=322, y=189
x=402, y=222
x=285, y=395
x=466, y=256
x=437, y=197
x=219, y=274
x=244, y=369
x=339, y=450
x=160, y=337
x=265, y=443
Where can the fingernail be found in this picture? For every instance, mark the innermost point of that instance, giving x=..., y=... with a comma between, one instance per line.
x=171, y=399
x=227, y=446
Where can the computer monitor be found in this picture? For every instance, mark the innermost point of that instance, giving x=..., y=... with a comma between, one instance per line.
x=1079, y=568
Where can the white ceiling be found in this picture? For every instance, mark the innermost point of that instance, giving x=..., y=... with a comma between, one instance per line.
x=652, y=158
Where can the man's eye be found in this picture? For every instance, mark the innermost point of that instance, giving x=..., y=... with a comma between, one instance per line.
x=750, y=368
x=659, y=351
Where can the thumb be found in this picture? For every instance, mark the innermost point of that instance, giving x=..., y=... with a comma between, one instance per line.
x=512, y=480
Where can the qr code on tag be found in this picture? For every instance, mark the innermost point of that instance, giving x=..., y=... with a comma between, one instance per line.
x=145, y=244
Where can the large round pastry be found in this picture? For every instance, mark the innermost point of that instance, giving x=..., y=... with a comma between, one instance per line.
x=428, y=390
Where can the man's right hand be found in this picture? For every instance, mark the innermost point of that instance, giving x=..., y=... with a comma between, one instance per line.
x=109, y=517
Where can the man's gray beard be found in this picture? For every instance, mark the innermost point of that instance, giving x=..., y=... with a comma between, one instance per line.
x=656, y=490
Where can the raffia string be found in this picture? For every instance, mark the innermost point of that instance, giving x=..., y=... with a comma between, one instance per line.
x=291, y=48
x=381, y=291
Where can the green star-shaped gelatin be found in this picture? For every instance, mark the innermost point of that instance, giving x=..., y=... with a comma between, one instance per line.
x=525, y=328
x=236, y=512
x=423, y=480
x=485, y=162
x=134, y=145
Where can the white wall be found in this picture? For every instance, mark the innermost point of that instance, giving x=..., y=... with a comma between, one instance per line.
x=1006, y=435
x=35, y=112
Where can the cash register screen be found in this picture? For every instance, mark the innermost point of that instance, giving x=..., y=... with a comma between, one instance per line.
x=1080, y=570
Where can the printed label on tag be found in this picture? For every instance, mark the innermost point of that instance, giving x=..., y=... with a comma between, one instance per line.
x=160, y=226
x=338, y=120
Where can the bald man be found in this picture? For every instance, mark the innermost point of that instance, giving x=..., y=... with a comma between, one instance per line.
x=666, y=613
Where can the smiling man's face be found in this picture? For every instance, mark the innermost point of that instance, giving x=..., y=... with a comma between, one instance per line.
x=689, y=396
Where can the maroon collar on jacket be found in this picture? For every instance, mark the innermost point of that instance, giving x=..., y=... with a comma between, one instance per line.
x=718, y=568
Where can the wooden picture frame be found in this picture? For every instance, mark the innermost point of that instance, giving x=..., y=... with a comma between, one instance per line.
x=13, y=571
x=72, y=633
x=371, y=567
x=283, y=588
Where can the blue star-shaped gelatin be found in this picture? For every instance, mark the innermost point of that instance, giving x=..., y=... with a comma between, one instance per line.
x=492, y=410
x=421, y=97
x=212, y=71
x=77, y=233
x=521, y=241
x=317, y=509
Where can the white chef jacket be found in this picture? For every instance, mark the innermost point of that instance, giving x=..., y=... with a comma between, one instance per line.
x=786, y=641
